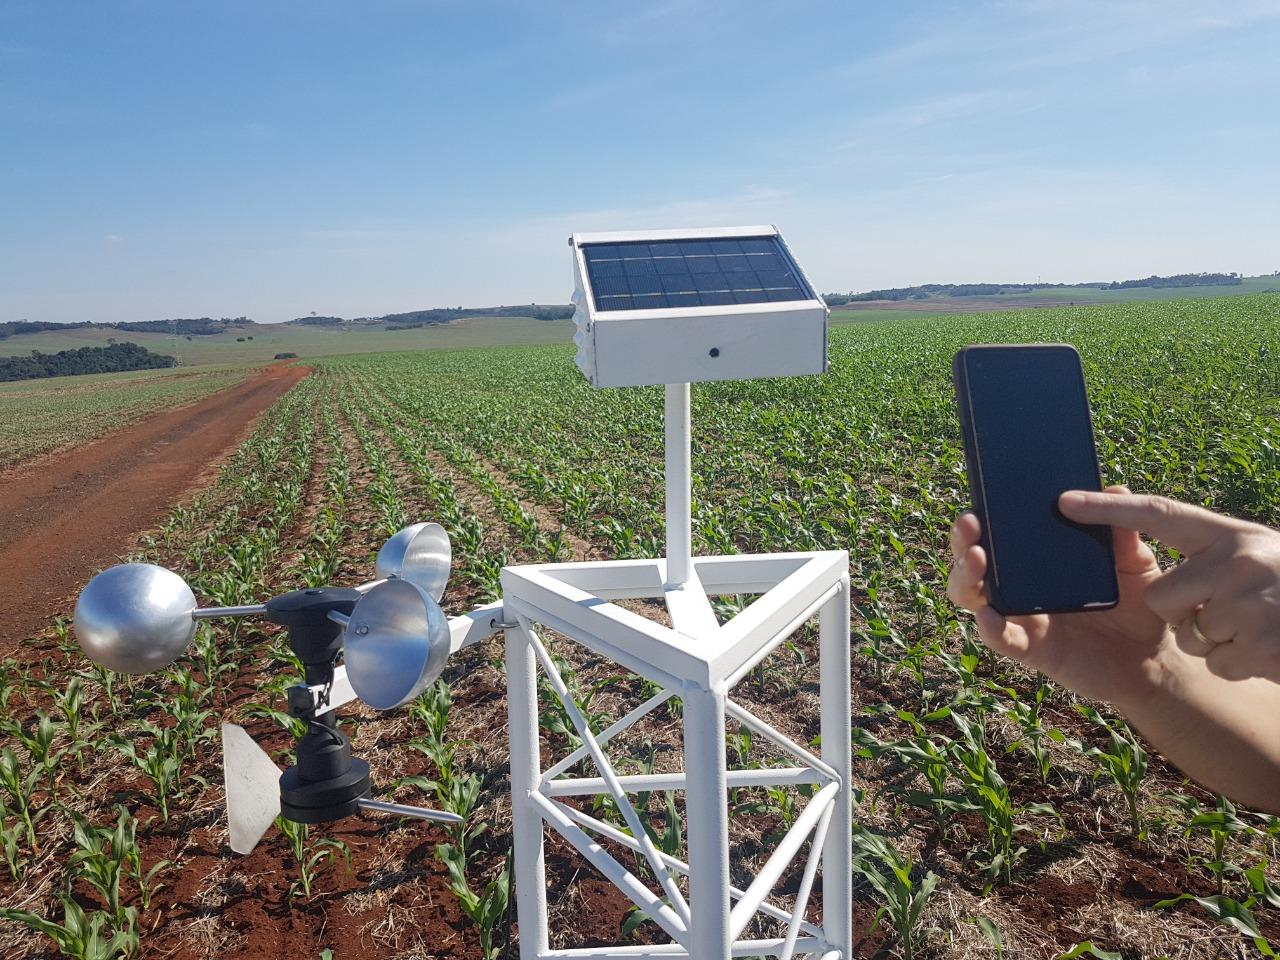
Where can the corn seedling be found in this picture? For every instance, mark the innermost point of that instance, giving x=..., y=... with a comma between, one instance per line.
x=161, y=762
x=667, y=836
x=1087, y=949
x=902, y=897
x=1220, y=824
x=69, y=702
x=211, y=656
x=12, y=834
x=431, y=709
x=80, y=935
x=1028, y=715
x=1123, y=760
x=992, y=933
x=99, y=860
x=988, y=794
x=103, y=856
x=485, y=909
x=62, y=636
x=21, y=788
x=8, y=682
x=312, y=856
x=296, y=726
x=106, y=681
x=38, y=743
x=925, y=755
x=1233, y=913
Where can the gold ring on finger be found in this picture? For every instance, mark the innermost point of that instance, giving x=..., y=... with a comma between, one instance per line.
x=1199, y=634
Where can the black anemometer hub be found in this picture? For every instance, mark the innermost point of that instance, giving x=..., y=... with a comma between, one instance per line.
x=327, y=782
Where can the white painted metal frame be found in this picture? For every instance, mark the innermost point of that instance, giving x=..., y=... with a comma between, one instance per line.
x=698, y=661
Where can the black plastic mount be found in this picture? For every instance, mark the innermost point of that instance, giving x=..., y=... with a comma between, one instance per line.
x=327, y=782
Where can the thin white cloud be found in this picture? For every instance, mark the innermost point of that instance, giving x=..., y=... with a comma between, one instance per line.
x=588, y=92
x=642, y=21
x=346, y=234
x=993, y=105
x=1011, y=36
x=1059, y=34
x=752, y=205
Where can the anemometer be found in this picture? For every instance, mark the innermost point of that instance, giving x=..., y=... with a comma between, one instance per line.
x=394, y=638
x=660, y=307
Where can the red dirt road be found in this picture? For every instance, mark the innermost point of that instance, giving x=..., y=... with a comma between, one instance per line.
x=69, y=514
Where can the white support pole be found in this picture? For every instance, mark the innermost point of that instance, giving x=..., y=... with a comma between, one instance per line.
x=522, y=726
x=808, y=946
x=836, y=728
x=707, y=824
x=679, y=485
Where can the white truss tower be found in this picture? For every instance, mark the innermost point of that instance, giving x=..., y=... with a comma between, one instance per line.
x=699, y=662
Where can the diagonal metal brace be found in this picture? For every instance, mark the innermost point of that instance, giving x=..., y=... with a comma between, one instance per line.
x=676, y=898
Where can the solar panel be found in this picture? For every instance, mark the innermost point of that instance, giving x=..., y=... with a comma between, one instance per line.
x=692, y=273
x=678, y=306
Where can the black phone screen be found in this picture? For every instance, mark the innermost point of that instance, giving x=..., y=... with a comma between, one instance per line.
x=1028, y=437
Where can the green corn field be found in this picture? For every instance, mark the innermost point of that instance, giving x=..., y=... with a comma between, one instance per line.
x=997, y=816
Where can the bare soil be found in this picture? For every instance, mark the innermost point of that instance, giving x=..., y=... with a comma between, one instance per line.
x=66, y=515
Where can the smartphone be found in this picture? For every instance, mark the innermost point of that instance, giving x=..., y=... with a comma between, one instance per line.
x=1028, y=437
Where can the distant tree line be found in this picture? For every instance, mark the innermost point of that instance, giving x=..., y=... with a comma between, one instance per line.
x=198, y=326
x=423, y=318
x=926, y=290
x=14, y=327
x=66, y=363
x=1180, y=280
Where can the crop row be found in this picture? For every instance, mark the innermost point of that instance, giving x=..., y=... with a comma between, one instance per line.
x=971, y=772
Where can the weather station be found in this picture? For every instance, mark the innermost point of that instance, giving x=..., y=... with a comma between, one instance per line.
x=667, y=307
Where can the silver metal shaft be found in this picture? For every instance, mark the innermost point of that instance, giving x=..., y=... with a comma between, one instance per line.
x=366, y=587
x=401, y=810
x=210, y=613
x=338, y=617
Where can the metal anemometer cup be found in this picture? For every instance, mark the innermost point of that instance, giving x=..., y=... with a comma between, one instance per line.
x=397, y=644
x=135, y=618
x=419, y=554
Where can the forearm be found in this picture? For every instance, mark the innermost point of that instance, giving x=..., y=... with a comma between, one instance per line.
x=1225, y=734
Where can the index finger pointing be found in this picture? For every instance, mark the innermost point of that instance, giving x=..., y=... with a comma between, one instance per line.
x=1186, y=528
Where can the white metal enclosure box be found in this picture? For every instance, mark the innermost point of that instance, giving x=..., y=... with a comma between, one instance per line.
x=680, y=306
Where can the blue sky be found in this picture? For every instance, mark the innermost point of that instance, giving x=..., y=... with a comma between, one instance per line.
x=163, y=159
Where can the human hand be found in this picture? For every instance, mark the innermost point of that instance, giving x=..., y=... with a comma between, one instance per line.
x=1224, y=597
x=1111, y=655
